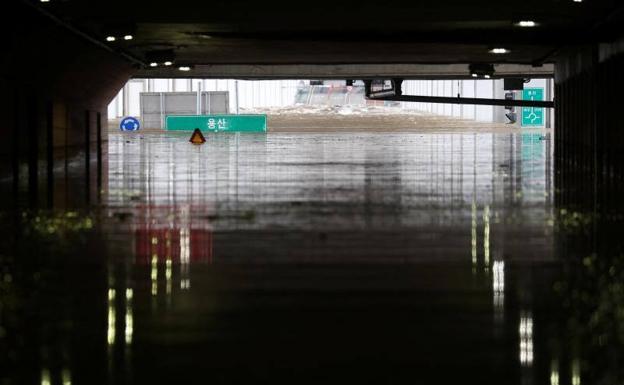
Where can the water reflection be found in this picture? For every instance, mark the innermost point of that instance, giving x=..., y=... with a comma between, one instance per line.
x=66, y=377
x=384, y=185
x=296, y=258
x=129, y=330
x=526, y=338
x=112, y=318
x=576, y=372
x=554, y=373
x=498, y=289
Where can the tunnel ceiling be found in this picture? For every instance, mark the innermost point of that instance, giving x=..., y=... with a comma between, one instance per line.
x=331, y=32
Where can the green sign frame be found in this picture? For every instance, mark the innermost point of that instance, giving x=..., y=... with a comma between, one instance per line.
x=533, y=116
x=217, y=123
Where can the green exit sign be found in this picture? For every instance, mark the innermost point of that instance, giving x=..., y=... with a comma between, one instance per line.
x=217, y=123
x=533, y=116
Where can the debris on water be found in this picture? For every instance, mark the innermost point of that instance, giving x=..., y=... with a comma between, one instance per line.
x=249, y=215
x=122, y=216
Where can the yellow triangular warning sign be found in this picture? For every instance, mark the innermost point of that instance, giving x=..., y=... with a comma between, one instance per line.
x=197, y=137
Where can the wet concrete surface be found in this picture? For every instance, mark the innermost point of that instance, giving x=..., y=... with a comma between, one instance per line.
x=383, y=258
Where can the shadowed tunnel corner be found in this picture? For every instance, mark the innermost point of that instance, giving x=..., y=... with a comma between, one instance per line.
x=55, y=86
x=590, y=141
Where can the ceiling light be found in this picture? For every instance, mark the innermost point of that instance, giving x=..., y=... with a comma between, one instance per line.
x=480, y=70
x=110, y=38
x=578, y=1
x=128, y=37
x=153, y=64
x=499, y=51
x=526, y=24
x=162, y=57
x=487, y=76
x=185, y=68
x=44, y=1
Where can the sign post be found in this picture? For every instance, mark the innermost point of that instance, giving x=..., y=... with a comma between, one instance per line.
x=533, y=116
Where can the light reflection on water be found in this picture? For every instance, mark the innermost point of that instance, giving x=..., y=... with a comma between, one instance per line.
x=270, y=257
x=418, y=198
x=433, y=184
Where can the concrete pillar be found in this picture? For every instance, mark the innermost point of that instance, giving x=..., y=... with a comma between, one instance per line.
x=49, y=124
x=99, y=151
x=32, y=132
x=548, y=95
x=126, y=99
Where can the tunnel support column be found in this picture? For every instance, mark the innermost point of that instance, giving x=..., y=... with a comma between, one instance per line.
x=589, y=138
x=99, y=153
x=49, y=123
x=87, y=152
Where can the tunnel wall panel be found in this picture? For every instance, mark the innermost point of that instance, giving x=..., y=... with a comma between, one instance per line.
x=589, y=151
x=55, y=85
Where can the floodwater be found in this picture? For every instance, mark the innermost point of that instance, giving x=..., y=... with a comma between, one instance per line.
x=370, y=258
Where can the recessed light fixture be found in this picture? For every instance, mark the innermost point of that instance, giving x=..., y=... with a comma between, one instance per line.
x=128, y=37
x=44, y=1
x=499, y=51
x=184, y=68
x=526, y=24
x=161, y=57
x=153, y=64
x=481, y=70
x=110, y=38
x=578, y=1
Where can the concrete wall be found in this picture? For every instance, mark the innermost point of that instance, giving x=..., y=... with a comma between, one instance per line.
x=589, y=152
x=55, y=87
x=589, y=124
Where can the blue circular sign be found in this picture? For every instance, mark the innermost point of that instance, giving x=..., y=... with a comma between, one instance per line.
x=129, y=124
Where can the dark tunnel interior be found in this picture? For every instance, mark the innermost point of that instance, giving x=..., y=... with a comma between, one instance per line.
x=343, y=247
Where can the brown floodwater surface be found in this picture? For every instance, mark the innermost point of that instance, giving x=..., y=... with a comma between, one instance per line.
x=307, y=258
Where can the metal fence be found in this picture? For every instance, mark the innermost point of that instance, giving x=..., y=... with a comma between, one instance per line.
x=155, y=106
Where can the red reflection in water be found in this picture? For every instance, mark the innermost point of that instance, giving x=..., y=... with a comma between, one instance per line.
x=165, y=244
x=172, y=233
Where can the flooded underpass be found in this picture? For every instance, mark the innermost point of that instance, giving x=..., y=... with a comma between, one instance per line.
x=432, y=197
x=335, y=257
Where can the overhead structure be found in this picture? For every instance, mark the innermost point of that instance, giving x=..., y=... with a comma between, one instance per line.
x=392, y=91
x=246, y=39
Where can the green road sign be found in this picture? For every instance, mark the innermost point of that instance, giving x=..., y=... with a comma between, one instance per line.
x=532, y=116
x=217, y=123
